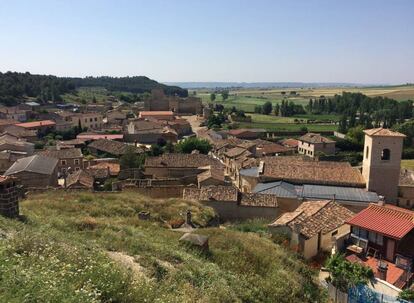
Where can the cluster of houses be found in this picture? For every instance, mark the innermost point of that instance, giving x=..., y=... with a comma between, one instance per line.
x=318, y=206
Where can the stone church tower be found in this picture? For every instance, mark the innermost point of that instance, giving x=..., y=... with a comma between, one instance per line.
x=382, y=161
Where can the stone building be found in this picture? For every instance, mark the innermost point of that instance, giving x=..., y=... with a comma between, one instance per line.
x=70, y=159
x=230, y=204
x=311, y=144
x=9, y=197
x=160, y=102
x=311, y=227
x=382, y=162
x=179, y=165
x=35, y=171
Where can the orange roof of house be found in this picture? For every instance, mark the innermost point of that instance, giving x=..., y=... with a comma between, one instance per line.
x=156, y=113
x=391, y=221
x=37, y=123
x=393, y=272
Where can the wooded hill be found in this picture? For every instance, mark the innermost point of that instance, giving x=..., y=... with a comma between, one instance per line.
x=15, y=87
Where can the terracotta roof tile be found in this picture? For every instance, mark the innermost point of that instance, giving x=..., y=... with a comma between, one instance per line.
x=37, y=123
x=391, y=221
x=315, y=216
x=382, y=132
x=182, y=160
x=315, y=138
x=302, y=170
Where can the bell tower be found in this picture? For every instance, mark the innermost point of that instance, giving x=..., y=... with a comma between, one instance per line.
x=382, y=161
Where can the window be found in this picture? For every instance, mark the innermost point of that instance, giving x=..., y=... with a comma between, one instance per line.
x=96, y=119
x=90, y=120
x=372, y=237
x=379, y=240
x=385, y=154
x=76, y=161
x=77, y=168
x=63, y=162
x=86, y=119
x=334, y=233
x=367, y=152
x=363, y=233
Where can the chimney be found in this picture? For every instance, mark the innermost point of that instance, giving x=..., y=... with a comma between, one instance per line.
x=381, y=201
x=382, y=268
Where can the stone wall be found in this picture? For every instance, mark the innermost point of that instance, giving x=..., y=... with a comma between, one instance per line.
x=231, y=211
x=9, y=200
x=164, y=192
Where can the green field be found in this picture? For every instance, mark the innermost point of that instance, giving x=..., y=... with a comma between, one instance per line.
x=273, y=123
x=408, y=164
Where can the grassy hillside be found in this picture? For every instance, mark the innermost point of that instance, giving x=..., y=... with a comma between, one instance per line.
x=77, y=247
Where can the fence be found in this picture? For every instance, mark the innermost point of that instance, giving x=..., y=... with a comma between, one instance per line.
x=360, y=294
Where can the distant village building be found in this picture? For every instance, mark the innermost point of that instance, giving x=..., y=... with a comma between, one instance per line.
x=20, y=132
x=12, y=143
x=35, y=171
x=230, y=204
x=80, y=179
x=313, y=144
x=70, y=159
x=43, y=126
x=90, y=120
x=160, y=102
x=157, y=115
x=111, y=148
x=14, y=113
x=313, y=227
x=146, y=131
x=179, y=165
x=246, y=133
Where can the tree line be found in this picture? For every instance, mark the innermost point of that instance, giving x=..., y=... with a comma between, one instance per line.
x=15, y=87
x=358, y=109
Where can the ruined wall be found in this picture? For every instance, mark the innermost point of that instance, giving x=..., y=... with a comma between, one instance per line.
x=9, y=200
x=233, y=212
x=164, y=192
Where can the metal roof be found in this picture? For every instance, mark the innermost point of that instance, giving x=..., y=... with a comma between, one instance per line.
x=316, y=192
x=36, y=163
x=338, y=193
x=279, y=189
x=250, y=172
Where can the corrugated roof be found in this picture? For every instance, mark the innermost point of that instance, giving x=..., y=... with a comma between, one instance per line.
x=279, y=189
x=338, y=193
x=317, y=192
x=36, y=163
x=391, y=221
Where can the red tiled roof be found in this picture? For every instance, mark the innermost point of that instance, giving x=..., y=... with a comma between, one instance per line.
x=37, y=123
x=391, y=221
x=290, y=142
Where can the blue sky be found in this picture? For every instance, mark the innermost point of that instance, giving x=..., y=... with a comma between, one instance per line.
x=198, y=40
